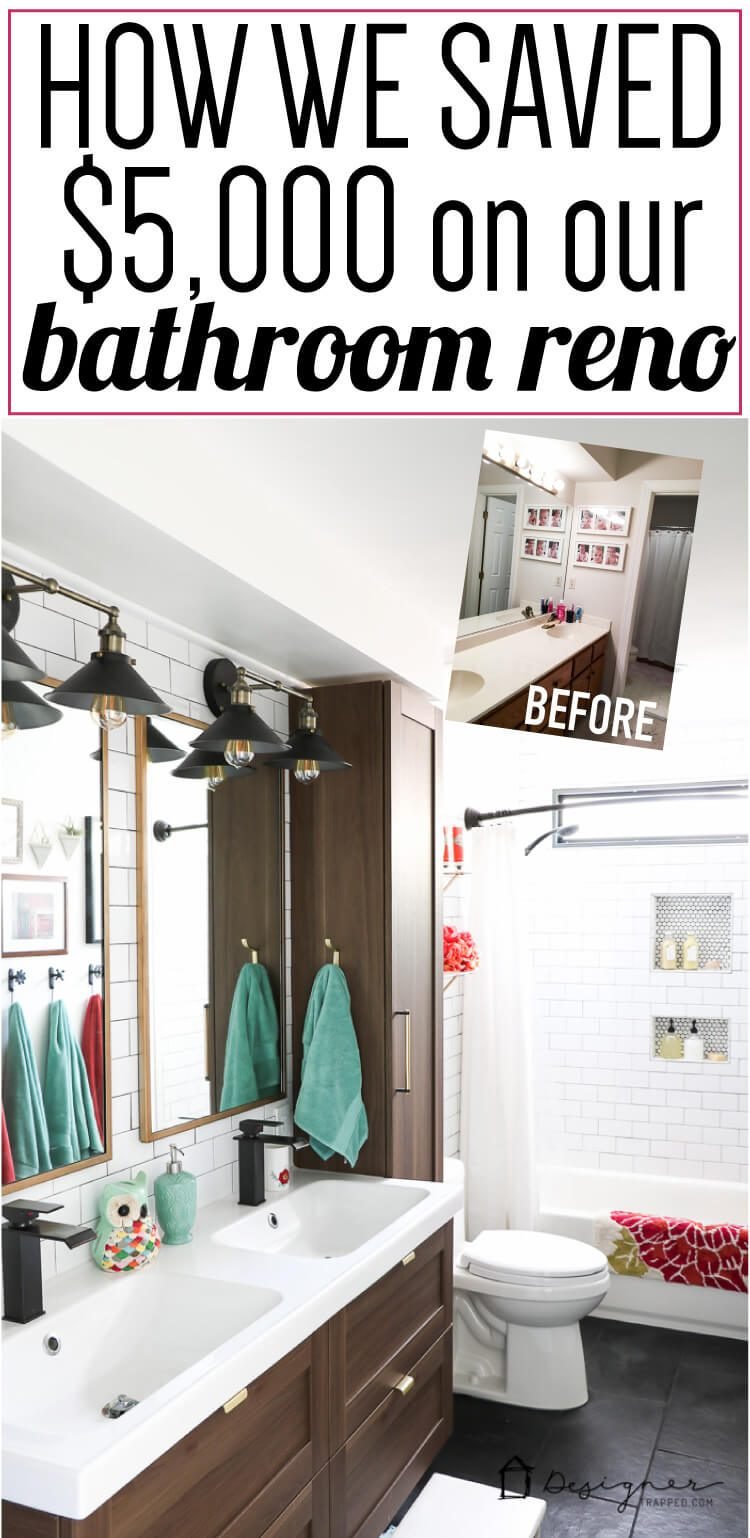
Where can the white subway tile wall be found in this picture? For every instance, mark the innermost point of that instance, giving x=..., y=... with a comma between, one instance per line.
x=172, y=663
x=603, y=1101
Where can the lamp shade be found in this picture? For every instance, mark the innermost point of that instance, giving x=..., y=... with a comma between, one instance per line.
x=209, y=765
x=110, y=675
x=159, y=749
x=239, y=722
x=310, y=747
x=23, y=709
x=17, y=667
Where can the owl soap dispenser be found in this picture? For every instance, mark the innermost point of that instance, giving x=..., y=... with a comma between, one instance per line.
x=126, y=1234
x=176, y=1193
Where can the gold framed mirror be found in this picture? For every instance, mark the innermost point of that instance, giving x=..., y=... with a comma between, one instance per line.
x=211, y=938
x=55, y=949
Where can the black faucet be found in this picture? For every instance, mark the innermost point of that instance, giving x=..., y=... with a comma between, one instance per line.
x=22, y=1255
x=253, y=1141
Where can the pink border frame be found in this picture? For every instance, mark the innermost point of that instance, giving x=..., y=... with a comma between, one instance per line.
x=132, y=10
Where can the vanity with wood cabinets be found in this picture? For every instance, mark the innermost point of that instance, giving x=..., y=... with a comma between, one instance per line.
x=328, y=1443
x=584, y=671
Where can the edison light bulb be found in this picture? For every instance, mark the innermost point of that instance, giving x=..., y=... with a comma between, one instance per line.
x=306, y=770
x=9, y=725
x=108, y=711
x=239, y=753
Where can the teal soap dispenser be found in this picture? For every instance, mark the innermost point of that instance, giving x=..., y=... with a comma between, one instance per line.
x=176, y=1194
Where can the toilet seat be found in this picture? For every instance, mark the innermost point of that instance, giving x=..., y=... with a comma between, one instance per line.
x=532, y=1259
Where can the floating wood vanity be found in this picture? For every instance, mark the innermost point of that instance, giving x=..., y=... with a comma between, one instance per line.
x=328, y=1443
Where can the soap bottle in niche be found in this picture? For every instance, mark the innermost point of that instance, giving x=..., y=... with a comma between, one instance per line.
x=668, y=954
x=671, y=1043
x=690, y=953
x=176, y=1193
x=694, y=1047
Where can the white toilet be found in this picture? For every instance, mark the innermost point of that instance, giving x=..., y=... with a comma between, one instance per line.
x=518, y=1300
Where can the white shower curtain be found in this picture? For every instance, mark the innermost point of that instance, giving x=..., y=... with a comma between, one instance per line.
x=497, y=1144
x=657, y=627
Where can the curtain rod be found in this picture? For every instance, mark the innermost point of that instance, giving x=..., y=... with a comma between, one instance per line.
x=710, y=790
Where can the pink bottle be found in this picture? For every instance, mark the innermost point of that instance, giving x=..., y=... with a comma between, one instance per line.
x=560, y=611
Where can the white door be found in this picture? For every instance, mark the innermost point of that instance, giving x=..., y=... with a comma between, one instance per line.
x=498, y=554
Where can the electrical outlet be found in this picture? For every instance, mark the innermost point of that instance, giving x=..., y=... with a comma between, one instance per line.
x=572, y=584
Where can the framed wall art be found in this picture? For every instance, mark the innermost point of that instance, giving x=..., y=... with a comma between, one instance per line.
x=12, y=831
x=599, y=519
x=534, y=548
x=547, y=518
x=34, y=915
x=603, y=555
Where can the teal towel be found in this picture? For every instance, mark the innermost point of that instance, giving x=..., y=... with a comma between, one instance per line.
x=329, y=1106
x=251, y=1059
x=24, y=1107
x=71, y=1118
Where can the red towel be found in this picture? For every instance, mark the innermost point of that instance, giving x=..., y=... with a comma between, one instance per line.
x=9, y=1173
x=698, y=1254
x=92, y=1046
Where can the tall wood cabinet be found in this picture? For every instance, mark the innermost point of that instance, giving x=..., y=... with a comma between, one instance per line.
x=365, y=863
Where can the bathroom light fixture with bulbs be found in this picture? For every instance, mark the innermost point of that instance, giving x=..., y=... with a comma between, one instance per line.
x=108, y=685
x=241, y=733
x=519, y=465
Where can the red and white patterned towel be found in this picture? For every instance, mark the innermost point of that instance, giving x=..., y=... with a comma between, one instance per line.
x=676, y=1249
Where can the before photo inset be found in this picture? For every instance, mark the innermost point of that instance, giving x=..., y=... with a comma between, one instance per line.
x=575, y=584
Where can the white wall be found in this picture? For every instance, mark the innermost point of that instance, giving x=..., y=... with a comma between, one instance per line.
x=51, y=631
x=362, y=527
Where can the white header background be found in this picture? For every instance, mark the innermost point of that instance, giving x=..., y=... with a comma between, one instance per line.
x=427, y=173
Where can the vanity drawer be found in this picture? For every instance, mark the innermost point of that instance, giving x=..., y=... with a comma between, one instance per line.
x=214, y=1483
x=581, y=662
x=599, y=648
x=377, y=1339
x=559, y=678
x=596, y=675
x=378, y=1467
x=510, y=714
x=307, y=1517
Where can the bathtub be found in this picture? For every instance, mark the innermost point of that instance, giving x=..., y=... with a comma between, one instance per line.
x=571, y=1199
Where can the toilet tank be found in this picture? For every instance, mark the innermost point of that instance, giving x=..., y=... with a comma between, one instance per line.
x=453, y=1175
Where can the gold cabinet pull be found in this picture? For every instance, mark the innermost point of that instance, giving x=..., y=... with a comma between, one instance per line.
x=407, y=1260
x=406, y=1090
x=236, y=1399
x=404, y=1385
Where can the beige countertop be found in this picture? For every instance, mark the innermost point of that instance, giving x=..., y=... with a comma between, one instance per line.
x=500, y=668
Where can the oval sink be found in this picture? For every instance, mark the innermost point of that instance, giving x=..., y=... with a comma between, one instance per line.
x=464, y=684
x=323, y=1219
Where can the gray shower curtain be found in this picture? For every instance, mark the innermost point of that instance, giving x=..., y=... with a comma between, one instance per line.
x=657, y=626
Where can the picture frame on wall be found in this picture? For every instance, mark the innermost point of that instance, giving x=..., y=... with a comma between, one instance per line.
x=597, y=519
x=548, y=518
x=534, y=548
x=601, y=555
x=12, y=831
x=34, y=916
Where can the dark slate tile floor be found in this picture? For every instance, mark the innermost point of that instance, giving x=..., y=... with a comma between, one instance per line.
x=659, y=1451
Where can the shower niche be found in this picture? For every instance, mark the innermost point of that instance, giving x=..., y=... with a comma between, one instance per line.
x=708, y=915
x=713, y=1030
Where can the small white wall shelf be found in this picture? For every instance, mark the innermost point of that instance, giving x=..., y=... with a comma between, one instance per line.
x=714, y=1031
x=705, y=914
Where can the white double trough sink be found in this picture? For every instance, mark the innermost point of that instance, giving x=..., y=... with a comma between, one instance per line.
x=185, y=1334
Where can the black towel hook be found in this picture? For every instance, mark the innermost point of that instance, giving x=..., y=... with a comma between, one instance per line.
x=15, y=979
x=93, y=972
x=55, y=975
